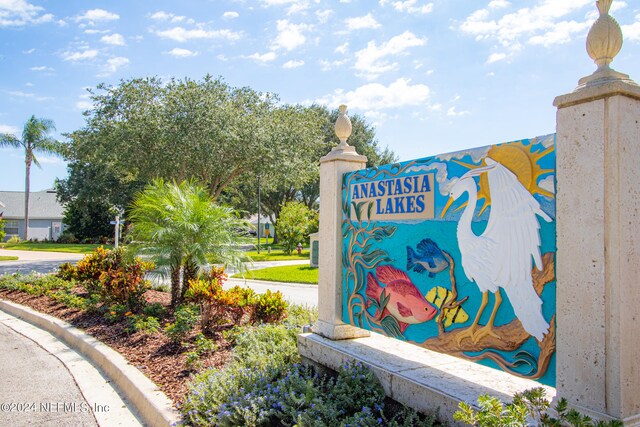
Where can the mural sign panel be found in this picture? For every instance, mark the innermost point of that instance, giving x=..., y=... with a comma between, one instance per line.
x=456, y=253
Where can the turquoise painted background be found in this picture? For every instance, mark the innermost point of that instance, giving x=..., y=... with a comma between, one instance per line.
x=378, y=252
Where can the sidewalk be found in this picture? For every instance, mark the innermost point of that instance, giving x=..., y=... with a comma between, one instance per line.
x=46, y=383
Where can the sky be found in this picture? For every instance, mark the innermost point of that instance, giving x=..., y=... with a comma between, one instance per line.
x=431, y=76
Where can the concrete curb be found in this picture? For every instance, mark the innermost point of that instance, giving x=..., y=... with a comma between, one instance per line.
x=151, y=404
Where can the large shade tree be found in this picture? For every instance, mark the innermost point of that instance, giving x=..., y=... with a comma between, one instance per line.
x=201, y=130
x=35, y=139
x=182, y=230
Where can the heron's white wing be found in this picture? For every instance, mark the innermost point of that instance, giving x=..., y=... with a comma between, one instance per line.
x=513, y=225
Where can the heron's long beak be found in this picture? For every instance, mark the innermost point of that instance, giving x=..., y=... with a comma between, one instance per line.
x=447, y=206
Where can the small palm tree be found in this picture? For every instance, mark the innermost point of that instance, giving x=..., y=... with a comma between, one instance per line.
x=35, y=138
x=180, y=227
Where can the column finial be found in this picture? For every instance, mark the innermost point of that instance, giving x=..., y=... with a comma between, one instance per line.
x=604, y=42
x=343, y=126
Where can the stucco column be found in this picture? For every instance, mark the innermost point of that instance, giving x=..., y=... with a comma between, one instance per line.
x=342, y=159
x=598, y=238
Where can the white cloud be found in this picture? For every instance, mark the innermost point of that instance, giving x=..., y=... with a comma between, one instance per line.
x=324, y=15
x=18, y=13
x=453, y=113
x=41, y=68
x=371, y=61
x=230, y=15
x=266, y=57
x=498, y=4
x=113, y=64
x=28, y=52
x=298, y=7
x=343, y=48
x=632, y=31
x=290, y=36
x=96, y=15
x=161, y=16
x=181, y=34
x=361, y=22
x=9, y=129
x=79, y=55
x=181, y=53
x=546, y=23
x=29, y=95
x=330, y=65
x=293, y=64
x=94, y=31
x=375, y=96
x=495, y=57
x=113, y=39
x=410, y=6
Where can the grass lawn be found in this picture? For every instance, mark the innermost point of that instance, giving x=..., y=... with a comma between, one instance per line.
x=276, y=255
x=55, y=247
x=288, y=273
x=8, y=258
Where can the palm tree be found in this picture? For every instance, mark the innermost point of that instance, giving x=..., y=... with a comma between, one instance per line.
x=35, y=138
x=180, y=227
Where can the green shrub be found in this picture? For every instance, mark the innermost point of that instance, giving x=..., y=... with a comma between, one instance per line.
x=115, y=312
x=69, y=299
x=156, y=310
x=33, y=283
x=293, y=395
x=270, y=307
x=301, y=315
x=527, y=408
x=258, y=347
x=142, y=323
x=13, y=240
x=186, y=318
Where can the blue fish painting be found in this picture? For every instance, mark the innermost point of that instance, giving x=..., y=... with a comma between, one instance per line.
x=427, y=257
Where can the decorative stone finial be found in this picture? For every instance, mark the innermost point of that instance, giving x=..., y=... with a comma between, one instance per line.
x=604, y=42
x=343, y=126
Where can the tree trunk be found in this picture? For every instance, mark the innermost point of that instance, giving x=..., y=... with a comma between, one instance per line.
x=175, y=285
x=27, y=185
x=190, y=273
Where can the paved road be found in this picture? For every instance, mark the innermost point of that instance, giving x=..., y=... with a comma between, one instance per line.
x=28, y=261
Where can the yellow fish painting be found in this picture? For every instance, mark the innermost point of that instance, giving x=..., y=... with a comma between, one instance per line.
x=438, y=296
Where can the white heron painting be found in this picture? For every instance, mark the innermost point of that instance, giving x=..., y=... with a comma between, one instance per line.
x=456, y=253
x=502, y=256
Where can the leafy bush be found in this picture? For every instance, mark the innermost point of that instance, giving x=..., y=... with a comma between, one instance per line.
x=67, y=271
x=258, y=347
x=186, y=317
x=218, y=306
x=33, y=283
x=293, y=395
x=270, y=307
x=2, y=232
x=67, y=237
x=114, y=276
x=156, y=310
x=527, y=408
x=295, y=222
x=14, y=240
x=301, y=315
x=142, y=323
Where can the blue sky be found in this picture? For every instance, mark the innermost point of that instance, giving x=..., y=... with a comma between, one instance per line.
x=432, y=76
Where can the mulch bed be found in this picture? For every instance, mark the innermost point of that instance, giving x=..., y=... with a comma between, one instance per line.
x=155, y=355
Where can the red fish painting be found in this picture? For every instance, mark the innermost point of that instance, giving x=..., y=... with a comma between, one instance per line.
x=405, y=302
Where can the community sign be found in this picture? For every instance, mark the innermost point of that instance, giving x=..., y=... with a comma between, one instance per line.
x=456, y=253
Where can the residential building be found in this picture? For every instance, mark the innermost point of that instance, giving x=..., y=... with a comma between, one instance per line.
x=45, y=214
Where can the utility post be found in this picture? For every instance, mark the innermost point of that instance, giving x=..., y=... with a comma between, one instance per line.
x=259, y=213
